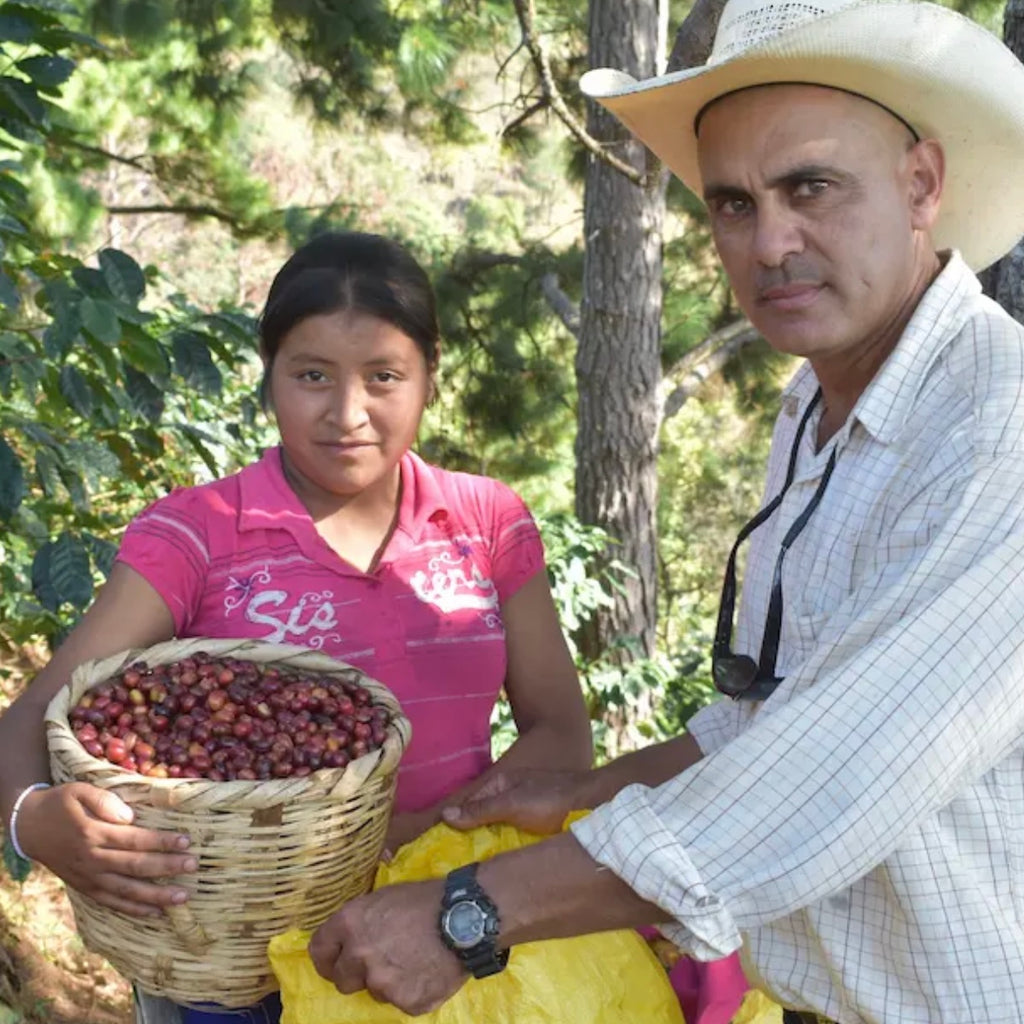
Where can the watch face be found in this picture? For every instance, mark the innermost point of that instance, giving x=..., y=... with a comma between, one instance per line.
x=465, y=923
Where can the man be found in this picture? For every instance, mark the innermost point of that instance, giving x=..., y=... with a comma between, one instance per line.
x=854, y=818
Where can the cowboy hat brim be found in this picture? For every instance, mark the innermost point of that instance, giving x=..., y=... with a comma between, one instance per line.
x=947, y=77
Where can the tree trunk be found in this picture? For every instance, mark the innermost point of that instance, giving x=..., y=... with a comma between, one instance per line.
x=1004, y=280
x=618, y=361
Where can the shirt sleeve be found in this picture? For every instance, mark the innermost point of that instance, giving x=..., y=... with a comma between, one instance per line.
x=167, y=545
x=914, y=699
x=517, y=552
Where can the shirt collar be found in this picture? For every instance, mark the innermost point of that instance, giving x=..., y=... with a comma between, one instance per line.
x=269, y=503
x=887, y=402
x=885, y=406
x=423, y=500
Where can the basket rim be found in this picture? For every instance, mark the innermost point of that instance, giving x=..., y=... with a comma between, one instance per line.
x=94, y=672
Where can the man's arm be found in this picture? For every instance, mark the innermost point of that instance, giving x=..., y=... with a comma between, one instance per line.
x=539, y=801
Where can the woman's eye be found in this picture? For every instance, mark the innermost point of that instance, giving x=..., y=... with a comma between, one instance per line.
x=313, y=376
x=384, y=377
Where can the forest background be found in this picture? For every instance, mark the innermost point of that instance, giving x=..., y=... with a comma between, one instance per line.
x=162, y=158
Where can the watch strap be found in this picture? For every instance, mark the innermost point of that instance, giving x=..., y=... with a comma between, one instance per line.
x=483, y=959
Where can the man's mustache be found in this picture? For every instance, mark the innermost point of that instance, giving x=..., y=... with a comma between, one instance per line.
x=793, y=271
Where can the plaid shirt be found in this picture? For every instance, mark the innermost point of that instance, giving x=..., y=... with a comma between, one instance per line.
x=861, y=832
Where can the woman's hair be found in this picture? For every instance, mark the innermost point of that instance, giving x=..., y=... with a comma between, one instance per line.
x=347, y=271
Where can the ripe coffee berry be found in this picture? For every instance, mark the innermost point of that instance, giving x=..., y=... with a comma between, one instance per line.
x=227, y=718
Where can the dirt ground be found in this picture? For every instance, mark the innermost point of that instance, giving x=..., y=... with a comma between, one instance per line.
x=46, y=974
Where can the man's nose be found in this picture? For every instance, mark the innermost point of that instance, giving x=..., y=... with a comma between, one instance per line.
x=778, y=234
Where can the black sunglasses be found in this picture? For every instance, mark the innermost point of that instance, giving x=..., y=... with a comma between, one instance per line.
x=738, y=675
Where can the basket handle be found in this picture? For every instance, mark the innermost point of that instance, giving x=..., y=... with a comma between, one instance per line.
x=188, y=929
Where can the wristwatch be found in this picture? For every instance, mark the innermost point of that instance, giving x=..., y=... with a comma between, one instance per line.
x=469, y=923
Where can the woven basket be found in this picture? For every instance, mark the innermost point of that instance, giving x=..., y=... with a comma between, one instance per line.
x=272, y=855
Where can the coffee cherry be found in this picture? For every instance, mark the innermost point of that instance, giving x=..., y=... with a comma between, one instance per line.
x=225, y=720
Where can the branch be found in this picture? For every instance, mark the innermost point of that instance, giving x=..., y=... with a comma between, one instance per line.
x=564, y=308
x=696, y=35
x=533, y=108
x=185, y=210
x=524, y=9
x=703, y=362
x=131, y=161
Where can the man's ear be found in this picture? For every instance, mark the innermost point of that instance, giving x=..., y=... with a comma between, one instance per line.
x=927, y=175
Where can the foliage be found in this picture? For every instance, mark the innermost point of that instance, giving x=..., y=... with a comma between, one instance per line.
x=582, y=579
x=106, y=403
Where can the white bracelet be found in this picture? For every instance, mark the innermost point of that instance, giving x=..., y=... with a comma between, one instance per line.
x=12, y=825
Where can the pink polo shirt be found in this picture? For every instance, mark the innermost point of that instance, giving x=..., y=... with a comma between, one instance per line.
x=240, y=557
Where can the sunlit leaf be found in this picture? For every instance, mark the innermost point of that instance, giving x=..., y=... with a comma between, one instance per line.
x=100, y=320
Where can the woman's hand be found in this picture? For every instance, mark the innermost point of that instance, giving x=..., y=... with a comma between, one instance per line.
x=532, y=799
x=84, y=835
x=406, y=827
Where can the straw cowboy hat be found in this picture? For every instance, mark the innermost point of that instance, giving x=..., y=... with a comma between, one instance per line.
x=942, y=74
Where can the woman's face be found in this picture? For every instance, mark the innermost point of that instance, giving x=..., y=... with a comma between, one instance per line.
x=348, y=392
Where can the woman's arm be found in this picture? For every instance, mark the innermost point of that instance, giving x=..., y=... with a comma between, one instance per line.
x=547, y=703
x=76, y=830
x=542, y=685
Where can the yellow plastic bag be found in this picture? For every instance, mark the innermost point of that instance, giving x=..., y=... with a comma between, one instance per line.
x=610, y=978
x=757, y=1008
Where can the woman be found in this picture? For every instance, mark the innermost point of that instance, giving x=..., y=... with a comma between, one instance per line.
x=341, y=539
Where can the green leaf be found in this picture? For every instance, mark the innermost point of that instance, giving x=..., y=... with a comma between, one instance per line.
x=102, y=551
x=11, y=225
x=147, y=399
x=100, y=320
x=76, y=488
x=16, y=30
x=193, y=362
x=61, y=333
x=29, y=373
x=148, y=442
x=195, y=438
x=39, y=434
x=9, y=292
x=123, y=275
x=143, y=351
x=47, y=72
x=12, y=481
x=48, y=472
x=71, y=570
x=17, y=867
x=91, y=281
x=75, y=389
x=18, y=128
x=21, y=99
x=94, y=461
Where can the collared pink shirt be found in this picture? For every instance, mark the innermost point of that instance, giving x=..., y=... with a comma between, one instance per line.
x=241, y=557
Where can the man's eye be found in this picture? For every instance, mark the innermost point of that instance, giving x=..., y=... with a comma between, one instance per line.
x=733, y=207
x=811, y=187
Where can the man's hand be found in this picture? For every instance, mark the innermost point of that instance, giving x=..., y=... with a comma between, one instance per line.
x=84, y=835
x=388, y=943
x=534, y=800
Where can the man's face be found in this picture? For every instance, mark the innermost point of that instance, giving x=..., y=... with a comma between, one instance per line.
x=821, y=206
